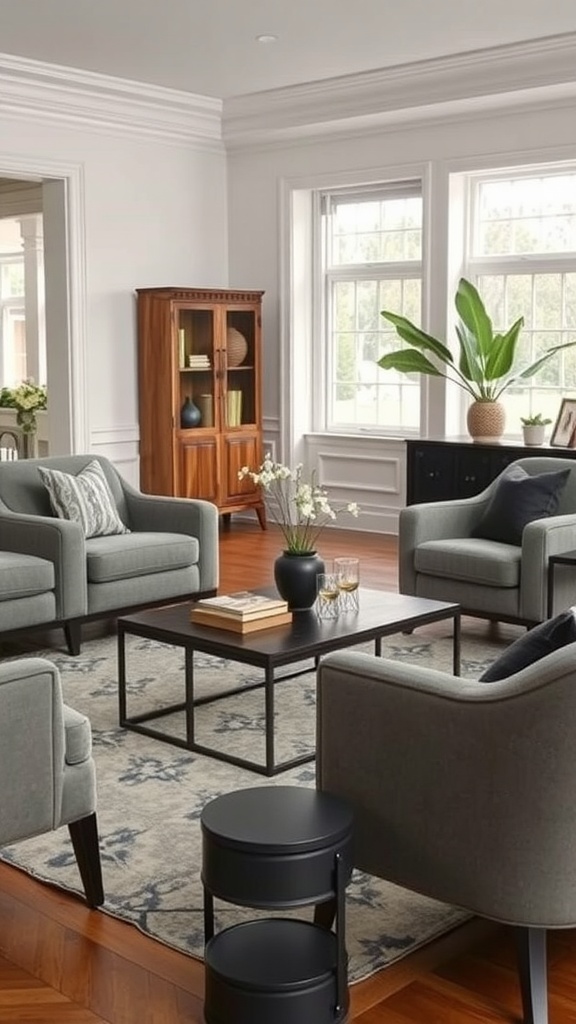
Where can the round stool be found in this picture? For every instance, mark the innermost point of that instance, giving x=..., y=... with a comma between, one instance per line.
x=276, y=847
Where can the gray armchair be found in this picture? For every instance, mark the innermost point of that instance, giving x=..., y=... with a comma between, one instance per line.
x=47, y=767
x=439, y=559
x=170, y=553
x=462, y=791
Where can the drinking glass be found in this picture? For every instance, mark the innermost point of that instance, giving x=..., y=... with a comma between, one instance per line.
x=328, y=599
x=347, y=571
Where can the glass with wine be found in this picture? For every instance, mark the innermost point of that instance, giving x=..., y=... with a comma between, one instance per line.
x=347, y=571
x=328, y=591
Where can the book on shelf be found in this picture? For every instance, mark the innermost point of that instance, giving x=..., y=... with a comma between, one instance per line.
x=244, y=605
x=228, y=622
x=234, y=408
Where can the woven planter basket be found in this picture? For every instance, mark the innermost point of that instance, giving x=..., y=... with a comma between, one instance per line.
x=485, y=421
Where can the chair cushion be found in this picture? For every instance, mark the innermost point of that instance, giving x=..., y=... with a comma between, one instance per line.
x=84, y=498
x=24, y=575
x=138, y=554
x=519, y=499
x=548, y=636
x=77, y=736
x=470, y=559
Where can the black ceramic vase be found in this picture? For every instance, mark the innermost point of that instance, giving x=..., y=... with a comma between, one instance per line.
x=295, y=578
x=190, y=415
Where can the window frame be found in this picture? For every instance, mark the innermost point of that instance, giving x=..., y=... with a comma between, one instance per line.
x=326, y=276
x=475, y=266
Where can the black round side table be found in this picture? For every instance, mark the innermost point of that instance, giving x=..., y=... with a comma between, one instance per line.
x=276, y=847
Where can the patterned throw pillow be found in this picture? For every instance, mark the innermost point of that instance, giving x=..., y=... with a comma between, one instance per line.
x=84, y=498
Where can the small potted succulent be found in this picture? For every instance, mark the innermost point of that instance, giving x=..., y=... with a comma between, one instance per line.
x=533, y=428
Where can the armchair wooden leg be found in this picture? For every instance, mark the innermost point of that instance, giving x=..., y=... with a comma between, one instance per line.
x=531, y=950
x=84, y=836
x=73, y=634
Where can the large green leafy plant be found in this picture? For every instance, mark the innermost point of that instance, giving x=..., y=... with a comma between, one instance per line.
x=485, y=367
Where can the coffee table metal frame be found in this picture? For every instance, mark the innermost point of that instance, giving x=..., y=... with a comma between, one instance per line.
x=380, y=614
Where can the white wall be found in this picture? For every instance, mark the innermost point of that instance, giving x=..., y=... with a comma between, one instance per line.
x=261, y=181
x=146, y=172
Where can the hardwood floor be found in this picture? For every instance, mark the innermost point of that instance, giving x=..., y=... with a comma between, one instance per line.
x=61, y=963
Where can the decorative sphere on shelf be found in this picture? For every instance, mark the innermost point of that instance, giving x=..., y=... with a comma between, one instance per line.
x=236, y=347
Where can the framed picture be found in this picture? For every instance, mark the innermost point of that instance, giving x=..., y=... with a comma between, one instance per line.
x=564, y=433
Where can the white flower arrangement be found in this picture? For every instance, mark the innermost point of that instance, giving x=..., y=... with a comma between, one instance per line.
x=26, y=398
x=300, y=508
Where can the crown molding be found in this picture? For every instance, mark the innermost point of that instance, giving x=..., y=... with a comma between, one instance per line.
x=61, y=95
x=538, y=71
x=396, y=93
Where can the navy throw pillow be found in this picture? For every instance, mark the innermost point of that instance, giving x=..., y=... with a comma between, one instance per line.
x=548, y=636
x=519, y=499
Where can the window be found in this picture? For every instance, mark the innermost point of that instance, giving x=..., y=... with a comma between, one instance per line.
x=522, y=257
x=12, y=320
x=371, y=260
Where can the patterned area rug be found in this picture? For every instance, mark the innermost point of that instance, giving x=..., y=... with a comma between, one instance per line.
x=151, y=793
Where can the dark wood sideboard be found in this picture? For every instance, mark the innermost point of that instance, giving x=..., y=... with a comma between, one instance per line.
x=441, y=469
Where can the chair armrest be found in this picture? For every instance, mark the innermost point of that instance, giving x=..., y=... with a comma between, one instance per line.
x=31, y=748
x=59, y=541
x=434, y=520
x=191, y=516
x=540, y=539
x=452, y=783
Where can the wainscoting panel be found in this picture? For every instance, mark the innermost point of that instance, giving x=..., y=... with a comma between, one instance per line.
x=370, y=471
x=121, y=446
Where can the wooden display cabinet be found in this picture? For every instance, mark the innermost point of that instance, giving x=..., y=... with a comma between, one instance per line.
x=201, y=345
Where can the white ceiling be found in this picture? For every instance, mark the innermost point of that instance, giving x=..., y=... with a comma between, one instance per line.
x=208, y=47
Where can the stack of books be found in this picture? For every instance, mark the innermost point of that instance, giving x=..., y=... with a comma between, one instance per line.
x=243, y=612
x=198, y=362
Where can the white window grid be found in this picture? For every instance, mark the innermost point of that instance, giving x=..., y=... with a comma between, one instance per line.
x=521, y=284
x=368, y=400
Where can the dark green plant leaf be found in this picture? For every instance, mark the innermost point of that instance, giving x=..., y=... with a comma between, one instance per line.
x=470, y=366
x=501, y=358
x=534, y=367
x=409, y=361
x=473, y=314
x=419, y=339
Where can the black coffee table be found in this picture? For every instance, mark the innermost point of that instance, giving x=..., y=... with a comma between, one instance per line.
x=380, y=614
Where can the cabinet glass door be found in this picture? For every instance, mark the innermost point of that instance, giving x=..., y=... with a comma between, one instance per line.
x=197, y=369
x=240, y=368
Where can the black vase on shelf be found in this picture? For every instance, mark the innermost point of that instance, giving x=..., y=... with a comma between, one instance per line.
x=295, y=578
x=190, y=415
